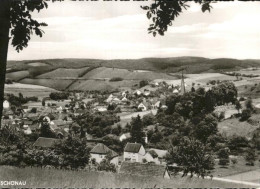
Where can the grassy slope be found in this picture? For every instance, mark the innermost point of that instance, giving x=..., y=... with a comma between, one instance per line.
x=36, y=177
x=233, y=126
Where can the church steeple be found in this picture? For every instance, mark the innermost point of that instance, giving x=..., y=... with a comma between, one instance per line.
x=182, y=84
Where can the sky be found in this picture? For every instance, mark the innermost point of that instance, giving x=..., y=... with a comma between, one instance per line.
x=118, y=30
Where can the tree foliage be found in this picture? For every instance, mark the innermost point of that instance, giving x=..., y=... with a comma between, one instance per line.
x=163, y=12
x=192, y=157
x=137, y=134
x=22, y=23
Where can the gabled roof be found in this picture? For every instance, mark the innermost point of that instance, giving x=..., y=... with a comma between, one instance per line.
x=45, y=142
x=103, y=149
x=132, y=147
x=143, y=169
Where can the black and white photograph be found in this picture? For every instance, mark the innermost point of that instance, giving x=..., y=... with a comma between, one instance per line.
x=129, y=94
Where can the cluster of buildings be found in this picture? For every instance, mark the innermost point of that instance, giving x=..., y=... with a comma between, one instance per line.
x=59, y=115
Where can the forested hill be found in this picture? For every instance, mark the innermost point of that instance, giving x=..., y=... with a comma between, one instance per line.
x=192, y=64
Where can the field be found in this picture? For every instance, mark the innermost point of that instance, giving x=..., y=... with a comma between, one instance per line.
x=237, y=169
x=103, y=73
x=28, y=90
x=17, y=75
x=63, y=73
x=101, y=85
x=51, y=83
x=36, y=177
x=233, y=126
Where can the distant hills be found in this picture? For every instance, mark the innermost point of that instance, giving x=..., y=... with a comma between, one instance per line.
x=91, y=74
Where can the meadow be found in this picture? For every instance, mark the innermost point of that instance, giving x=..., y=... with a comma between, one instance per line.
x=37, y=177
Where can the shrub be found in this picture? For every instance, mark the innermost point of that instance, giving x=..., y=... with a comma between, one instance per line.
x=234, y=161
x=246, y=114
x=223, y=162
x=143, y=83
x=114, y=79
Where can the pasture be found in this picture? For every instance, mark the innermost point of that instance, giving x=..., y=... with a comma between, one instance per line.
x=37, y=177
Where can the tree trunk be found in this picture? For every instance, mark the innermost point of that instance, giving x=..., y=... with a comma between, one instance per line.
x=4, y=40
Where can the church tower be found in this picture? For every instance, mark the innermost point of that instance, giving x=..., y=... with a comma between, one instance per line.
x=182, y=84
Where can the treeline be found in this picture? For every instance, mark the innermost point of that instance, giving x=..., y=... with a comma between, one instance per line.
x=59, y=95
x=20, y=100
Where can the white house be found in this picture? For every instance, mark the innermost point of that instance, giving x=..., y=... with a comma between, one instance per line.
x=116, y=100
x=6, y=104
x=175, y=91
x=101, y=109
x=59, y=109
x=124, y=99
x=134, y=152
x=100, y=151
x=146, y=92
x=110, y=98
x=124, y=136
x=157, y=104
x=27, y=130
x=137, y=92
x=123, y=94
x=142, y=107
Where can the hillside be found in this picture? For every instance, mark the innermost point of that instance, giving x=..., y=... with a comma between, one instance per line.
x=94, y=74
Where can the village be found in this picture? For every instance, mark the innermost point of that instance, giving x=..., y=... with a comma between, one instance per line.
x=61, y=110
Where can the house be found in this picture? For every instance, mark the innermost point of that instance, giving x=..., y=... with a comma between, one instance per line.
x=124, y=94
x=43, y=142
x=124, y=136
x=116, y=100
x=100, y=151
x=101, y=109
x=175, y=91
x=6, y=104
x=157, y=105
x=27, y=123
x=147, y=92
x=137, y=92
x=27, y=130
x=164, y=107
x=124, y=99
x=142, y=107
x=134, y=152
x=110, y=98
x=59, y=109
x=147, y=169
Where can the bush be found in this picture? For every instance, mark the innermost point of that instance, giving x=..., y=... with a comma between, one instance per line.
x=223, y=162
x=246, y=114
x=143, y=83
x=8, y=81
x=234, y=161
x=59, y=96
x=114, y=79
